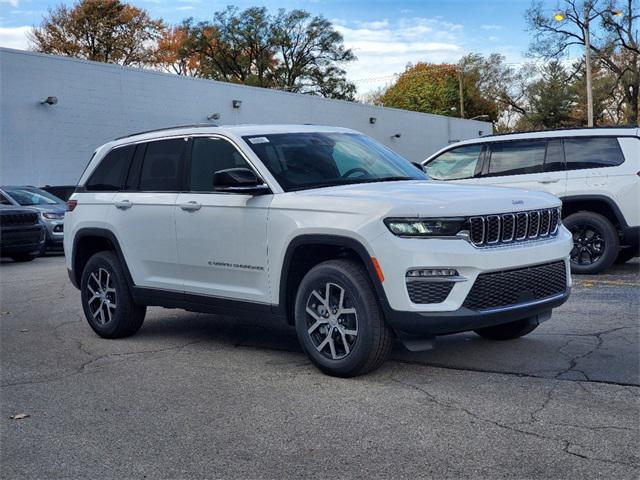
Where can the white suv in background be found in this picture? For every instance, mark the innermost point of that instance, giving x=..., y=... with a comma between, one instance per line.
x=319, y=226
x=594, y=171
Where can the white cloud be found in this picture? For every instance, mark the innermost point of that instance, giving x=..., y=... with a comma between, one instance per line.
x=385, y=47
x=14, y=37
x=491, y=27
x=13, y=3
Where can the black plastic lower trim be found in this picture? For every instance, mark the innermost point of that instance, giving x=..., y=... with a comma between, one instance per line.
x=200, y=303
x=631, y=236
x=464, y=319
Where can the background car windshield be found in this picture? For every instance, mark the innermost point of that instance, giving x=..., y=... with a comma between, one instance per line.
x=32, y=196
x=301, y=161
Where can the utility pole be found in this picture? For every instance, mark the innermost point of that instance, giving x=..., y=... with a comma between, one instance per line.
x=587, y=61
x=460, y=90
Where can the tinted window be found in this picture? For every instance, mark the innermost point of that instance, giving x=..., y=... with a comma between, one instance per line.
x=516, y=158
x=301, y=161
x=109, y=174
x=554, y=159
x=133, y=179
x=161, y=166
x=592, y=152
x=210, y=155
x=455, y=164
x=4, y=200
x=29, y=196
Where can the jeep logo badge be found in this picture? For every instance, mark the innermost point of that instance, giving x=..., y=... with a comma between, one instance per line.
x=517, y=202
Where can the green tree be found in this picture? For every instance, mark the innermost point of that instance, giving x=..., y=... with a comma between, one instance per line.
x=102, y=30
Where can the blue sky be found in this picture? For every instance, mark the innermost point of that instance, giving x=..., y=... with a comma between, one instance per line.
x=384, y=35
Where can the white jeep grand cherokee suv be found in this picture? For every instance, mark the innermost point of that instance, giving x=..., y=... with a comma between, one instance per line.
x=319, y=226
x=594, y=171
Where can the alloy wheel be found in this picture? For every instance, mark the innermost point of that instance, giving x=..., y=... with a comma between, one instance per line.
x=102, y=302
x=588, y=244
x=332, y=321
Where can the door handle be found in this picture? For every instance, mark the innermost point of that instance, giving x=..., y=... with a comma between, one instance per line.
x=549, y=180
x=124, y=204
x=190, y=206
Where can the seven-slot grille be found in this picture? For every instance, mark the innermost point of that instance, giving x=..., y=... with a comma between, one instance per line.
x=521, y=285
x=490, y=230
x=15, y=219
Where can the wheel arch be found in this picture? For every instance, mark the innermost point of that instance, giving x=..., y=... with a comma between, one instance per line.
x=89, y=241
x=306, y=251
x=601, y=204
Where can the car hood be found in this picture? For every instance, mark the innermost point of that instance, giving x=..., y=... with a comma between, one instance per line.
x=49, y=208
x=426, y=198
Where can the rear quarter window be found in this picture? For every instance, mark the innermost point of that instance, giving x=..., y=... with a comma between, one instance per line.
x=109, y=174
x=601, y=152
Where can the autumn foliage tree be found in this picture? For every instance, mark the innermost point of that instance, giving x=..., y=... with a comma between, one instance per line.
x=102, y=30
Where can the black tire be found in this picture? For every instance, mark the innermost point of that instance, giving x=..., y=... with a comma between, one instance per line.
x=627, y=254
x=23, y=257
x=508, y=331
x=373, y=339
x=596, y=242
x=125, y=318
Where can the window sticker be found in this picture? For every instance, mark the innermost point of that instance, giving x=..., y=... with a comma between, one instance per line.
x=256, y=140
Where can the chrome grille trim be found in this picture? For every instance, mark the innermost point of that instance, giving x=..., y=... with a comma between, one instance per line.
x=492, y=230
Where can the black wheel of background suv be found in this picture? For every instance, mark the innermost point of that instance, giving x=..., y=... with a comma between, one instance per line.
x=338, y=320
x=595, y=242
x=106, y=300
x=508, y=331
x=23, y=257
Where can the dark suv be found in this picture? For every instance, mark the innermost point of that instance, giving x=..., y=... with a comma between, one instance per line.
x=22, y=235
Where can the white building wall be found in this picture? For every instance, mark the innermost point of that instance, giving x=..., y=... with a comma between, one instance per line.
x=51, y=144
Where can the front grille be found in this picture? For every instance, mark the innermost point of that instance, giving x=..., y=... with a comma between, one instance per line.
x=13, y=219
x=20, y=238
x=511, y=287
x=428, y=292
x=488, y=230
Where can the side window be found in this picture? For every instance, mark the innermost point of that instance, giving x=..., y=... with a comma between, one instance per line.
x=109, y=174
x=517, y=158
x=161, y=166
x=133, y=178
x=592, y=152
x=455, y=164
x=210, y=155
x=4, y=200
x=554, y=158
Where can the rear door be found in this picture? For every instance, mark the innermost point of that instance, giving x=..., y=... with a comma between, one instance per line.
x=143, y=213
x=532, y=164
x=222, y=236
x=590, y=164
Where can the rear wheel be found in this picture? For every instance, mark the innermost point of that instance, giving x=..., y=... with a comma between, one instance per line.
x=338, y=320
x=508, y=331
x=106, y=300
x=595, y=242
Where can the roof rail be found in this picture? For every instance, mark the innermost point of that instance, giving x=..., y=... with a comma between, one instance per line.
x=595, y=127
x=194, y=125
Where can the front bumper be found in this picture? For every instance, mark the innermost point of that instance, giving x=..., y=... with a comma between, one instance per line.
x=464, y=320
x=55, y=233
x=22, y=239
x=398, y=255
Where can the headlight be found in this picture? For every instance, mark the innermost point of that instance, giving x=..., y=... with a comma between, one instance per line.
x=425, y=227
x=53, y=215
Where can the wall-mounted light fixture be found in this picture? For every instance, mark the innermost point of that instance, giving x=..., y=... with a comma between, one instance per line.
x=397, y=135
x=372, y=120
x=49, y=101
x=236, y=103
x=213, y=116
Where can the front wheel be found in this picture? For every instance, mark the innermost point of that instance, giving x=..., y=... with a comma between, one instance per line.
x=106, y=299
x=595, y=242
x=23, y=257
x=338, y=320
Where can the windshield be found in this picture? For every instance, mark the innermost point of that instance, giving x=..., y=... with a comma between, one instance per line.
x=300, y=161
x=26, y=196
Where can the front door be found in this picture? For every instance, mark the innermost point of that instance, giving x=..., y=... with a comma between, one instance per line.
x=222, y=237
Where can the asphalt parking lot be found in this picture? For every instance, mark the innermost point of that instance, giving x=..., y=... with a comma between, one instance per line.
x=197, y=395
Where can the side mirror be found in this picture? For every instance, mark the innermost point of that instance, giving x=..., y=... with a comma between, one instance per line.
x=239, y=180
x=419, y=166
